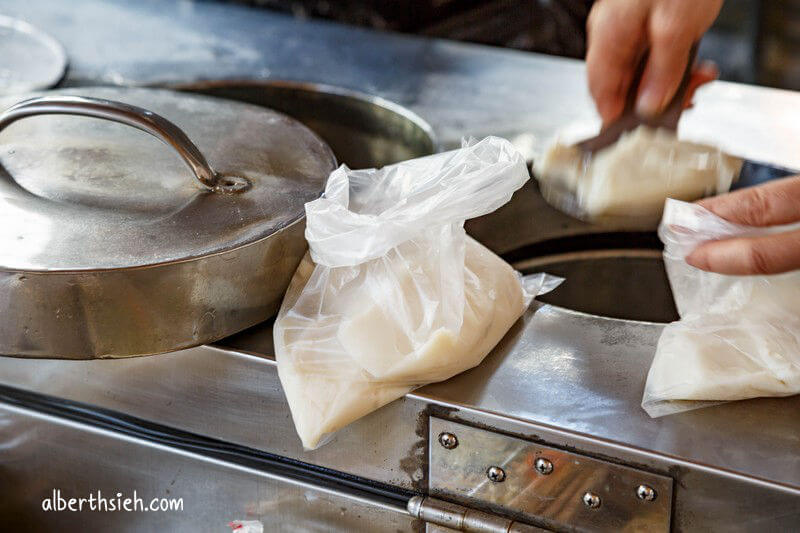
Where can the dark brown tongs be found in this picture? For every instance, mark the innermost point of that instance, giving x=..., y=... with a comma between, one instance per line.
x=630, y=120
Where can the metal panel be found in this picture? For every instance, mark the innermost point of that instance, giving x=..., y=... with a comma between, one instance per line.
x=569, y=490
x=545, y=382
x=230, y=396
x=40, y=454
x=704, y=499
x=585, y=375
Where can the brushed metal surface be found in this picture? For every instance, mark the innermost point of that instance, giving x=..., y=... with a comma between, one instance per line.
x=131, y=312
x=234, y=397
x=364, y=131
x=31, y=59
x=460, y=89
x=112, y=249
x=705, y=498
x=41, y=453
x=733, y=470
x=585, y=374
x=552, y=500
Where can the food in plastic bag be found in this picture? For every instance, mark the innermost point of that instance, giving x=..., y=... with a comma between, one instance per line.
x=738, y=336
x=628, y=181
x=393, y=294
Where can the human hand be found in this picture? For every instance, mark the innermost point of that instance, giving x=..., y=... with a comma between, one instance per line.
x=619, y=34
x=776, y=202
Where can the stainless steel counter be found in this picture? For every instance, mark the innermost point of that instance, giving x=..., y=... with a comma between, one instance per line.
x=563, y=378
x=210, y=492
x=461, y=89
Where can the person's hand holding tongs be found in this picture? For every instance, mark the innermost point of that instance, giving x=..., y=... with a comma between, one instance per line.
x=640, y=62
x=640, y=65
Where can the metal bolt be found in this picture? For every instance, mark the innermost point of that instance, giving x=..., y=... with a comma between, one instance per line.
x=591, y=500
x=448, y=440
x=646, y=493
x=543, y=466
x=496, y=474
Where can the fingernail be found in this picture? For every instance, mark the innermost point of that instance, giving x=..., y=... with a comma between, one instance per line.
x=649, y=102
x=697, y=260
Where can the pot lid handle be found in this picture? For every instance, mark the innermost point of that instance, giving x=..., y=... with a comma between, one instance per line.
x=139, y=118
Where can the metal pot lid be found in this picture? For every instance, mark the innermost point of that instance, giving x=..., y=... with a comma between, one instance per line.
x=31, y=59
x=78, y=193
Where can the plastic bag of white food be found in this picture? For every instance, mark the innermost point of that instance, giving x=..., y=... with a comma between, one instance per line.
x=738, y=336
x=394, y=294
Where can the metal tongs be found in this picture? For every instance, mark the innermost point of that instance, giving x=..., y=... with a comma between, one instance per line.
x=630, y=120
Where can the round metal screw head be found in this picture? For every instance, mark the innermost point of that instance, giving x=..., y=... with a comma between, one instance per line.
x=646, y=493
x=591, y=500
x=496, y=474
x=543, y=466
x=448, y=440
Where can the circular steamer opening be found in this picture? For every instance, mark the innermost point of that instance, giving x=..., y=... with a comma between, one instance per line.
x=623, y=279
x=362, y=130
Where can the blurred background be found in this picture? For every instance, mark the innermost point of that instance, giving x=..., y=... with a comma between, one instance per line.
x=753, y=41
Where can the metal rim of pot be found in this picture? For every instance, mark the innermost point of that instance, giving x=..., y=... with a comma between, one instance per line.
x=35, y=77
x=321, y=88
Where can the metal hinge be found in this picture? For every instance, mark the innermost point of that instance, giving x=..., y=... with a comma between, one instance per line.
x=543, y=485
x=459, y=518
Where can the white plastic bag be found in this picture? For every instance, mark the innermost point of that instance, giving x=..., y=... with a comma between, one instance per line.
x=394, y=294
x=738, y=336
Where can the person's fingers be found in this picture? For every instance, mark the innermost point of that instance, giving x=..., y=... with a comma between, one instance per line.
x=770, y=254
x=705, y=72
x=670, y=43
x=672, y=27
x=611, y=60
x=776, y=202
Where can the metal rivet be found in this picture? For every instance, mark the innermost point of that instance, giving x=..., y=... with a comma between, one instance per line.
x=646, y=493
x=591, y=500
x=448, y=440
x=543, y=466
x=496, y=474
x=232, y=184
